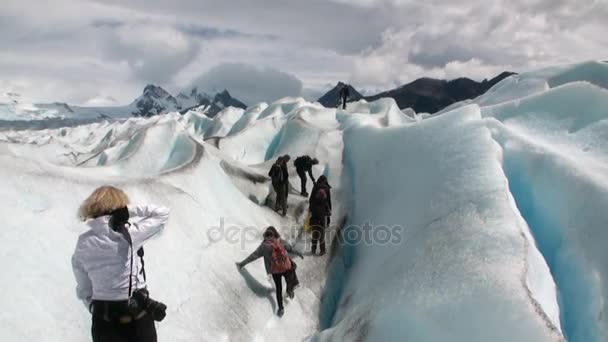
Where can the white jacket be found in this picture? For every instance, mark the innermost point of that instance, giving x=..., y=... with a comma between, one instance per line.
x=102, y=259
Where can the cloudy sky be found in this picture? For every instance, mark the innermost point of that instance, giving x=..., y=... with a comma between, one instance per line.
x=106, y=51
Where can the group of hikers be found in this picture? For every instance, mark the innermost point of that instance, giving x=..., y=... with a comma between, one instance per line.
x=319, y=202
x=108, y=260
x=275, y=250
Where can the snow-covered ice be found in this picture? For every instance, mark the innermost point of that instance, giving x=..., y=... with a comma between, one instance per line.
x=485, y=222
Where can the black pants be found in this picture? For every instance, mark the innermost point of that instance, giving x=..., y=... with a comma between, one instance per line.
x=141, y=330
x=303, y=177
x=281, y=200
x=291, y=280
x=318, y=226
x=343, y=102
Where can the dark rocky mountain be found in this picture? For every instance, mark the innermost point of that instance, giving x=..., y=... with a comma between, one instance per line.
x=227, y=100
x=332, y=97
x=429, y=95
x=424, y=95
x=156, y=100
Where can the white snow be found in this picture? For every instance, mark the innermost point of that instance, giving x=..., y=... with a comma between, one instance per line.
x=496, y=210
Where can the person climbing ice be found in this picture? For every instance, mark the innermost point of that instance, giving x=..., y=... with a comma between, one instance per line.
x=285, y=170
x=109, y=280
x=279, y=177
x=278, y=264
x=320, y=213
x=344, y=95
x=304, y=165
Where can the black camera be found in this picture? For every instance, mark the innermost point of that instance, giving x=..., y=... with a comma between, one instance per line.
x=158, y=310
x=141, y=301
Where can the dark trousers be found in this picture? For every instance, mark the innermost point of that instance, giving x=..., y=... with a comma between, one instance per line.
x=318, y=226
x=303, y=177
x=281, y=200
x=343, y=102
x=291, y=280
x=141, y=330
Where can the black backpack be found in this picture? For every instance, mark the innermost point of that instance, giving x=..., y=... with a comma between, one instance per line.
x=301, y=162
x=276, y=173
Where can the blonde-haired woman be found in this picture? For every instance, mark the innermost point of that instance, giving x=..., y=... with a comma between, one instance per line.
x=110, y=281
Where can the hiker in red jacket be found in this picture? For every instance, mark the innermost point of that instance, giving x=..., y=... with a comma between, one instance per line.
x=277, y=263
x=320, y=212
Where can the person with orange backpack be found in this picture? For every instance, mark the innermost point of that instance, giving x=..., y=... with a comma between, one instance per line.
x=277, y=262
x=320, y=212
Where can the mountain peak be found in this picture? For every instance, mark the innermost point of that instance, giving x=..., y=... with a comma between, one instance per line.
x=153, y=101
x=155, y=91
x=224, y=93
x=332, y=97
x=224, y=99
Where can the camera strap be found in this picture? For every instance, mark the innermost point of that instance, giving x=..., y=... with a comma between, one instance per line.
x=125, y=233
x=140, y=252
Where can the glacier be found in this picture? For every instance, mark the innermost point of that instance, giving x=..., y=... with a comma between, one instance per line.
x=483, y=222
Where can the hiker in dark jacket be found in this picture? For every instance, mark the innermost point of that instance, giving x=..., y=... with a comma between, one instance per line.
x=278, y=177
x=285, y=169
x=344, y=95
x=304, y=165
x=275, y=265
x=320, y=213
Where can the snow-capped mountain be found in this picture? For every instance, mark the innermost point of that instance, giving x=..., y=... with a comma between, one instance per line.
x=154, y=100
x=14, y=106
x=211, y=105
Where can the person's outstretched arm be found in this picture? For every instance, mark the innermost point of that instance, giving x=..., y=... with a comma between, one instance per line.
x=147, y=221
x=258, y=253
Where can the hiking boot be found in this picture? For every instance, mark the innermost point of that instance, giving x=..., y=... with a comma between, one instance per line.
x=322, y=253
x=305, y=194
x=290, y=294
x=281, y=312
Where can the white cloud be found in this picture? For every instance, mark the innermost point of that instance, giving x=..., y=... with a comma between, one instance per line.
x=249, y=83
x=155, y=53
x=480, y=37
x=77, y=50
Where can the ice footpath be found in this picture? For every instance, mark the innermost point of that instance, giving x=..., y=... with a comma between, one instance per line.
x=490, y=217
